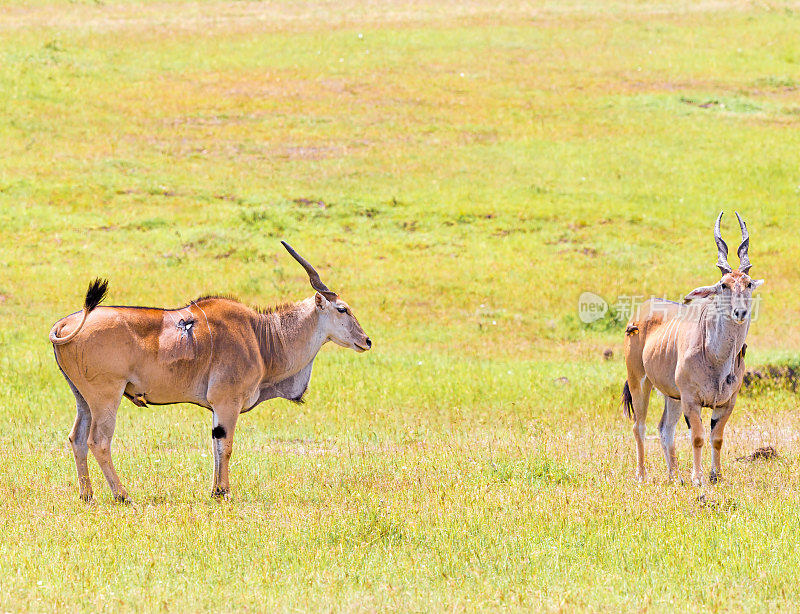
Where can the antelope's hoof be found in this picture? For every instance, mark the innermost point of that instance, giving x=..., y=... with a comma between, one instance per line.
x=697, y=482
x=124, y=499
x=86, y=497
x=714, y=477
x=223, y=494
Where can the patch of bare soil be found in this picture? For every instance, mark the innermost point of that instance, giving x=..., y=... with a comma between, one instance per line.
x=310, y=153
x=712, y=504
x=764, y=453
x=781, y=376
x=310, y=202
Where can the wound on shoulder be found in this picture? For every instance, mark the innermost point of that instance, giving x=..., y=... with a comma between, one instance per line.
x=177, y=340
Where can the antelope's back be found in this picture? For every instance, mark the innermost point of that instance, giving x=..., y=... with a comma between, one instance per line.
x=110, y=337
x=655, y=313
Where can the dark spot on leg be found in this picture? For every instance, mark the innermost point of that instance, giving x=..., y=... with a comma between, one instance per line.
x=714, y=422
x=218, y=432
x=685, y=417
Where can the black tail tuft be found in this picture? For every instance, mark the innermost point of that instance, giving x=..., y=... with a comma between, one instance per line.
x=95, y=294
x=627, y=401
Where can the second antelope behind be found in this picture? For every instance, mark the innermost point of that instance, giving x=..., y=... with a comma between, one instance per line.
x=693, y=353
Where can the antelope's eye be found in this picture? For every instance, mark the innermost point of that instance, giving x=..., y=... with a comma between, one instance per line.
x=749, y=284
x=341, y=309
x=725, y=287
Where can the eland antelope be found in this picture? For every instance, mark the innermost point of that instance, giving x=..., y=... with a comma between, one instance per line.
x=693, y=353
x=214, y=352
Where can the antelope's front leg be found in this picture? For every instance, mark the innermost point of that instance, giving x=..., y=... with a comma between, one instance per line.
x=666, y=428
x=692, y=413
x=719, y=419
x=224, y=424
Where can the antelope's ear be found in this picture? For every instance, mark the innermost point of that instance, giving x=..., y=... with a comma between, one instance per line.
x=321, y=301
x=756, y=283
x=702, y=292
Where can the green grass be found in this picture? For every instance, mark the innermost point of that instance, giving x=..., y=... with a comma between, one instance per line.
x=461, y=172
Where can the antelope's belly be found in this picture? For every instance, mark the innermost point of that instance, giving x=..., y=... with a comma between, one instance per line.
x=662, y=377
x=164, y=389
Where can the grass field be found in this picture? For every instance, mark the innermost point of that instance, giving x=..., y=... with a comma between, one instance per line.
x=460, y=172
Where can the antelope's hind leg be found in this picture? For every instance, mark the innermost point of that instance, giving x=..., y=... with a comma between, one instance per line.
x=666, y=429
x=78, y=439
x=101, y=432
x=640, y=393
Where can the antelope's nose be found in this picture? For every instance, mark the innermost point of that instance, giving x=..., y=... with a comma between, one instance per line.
x=369, y=342
x=740, y=314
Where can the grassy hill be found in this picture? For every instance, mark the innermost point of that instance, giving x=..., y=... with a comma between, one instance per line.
x=460, y=172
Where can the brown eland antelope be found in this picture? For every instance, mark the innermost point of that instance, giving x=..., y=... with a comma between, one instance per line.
x=693, y=353
x=215, y=352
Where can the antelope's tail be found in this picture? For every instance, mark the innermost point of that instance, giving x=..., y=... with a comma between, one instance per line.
x=94, y=296
x=627, y=401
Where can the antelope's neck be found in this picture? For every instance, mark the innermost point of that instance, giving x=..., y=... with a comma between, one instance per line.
x=724, y=338
x=289, y=340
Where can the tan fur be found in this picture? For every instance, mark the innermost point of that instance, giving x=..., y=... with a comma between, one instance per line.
x=694, y=355
x=230, y=359
x=176, y=342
